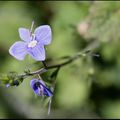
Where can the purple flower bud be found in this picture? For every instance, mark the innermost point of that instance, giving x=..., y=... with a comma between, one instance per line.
x=40, y=88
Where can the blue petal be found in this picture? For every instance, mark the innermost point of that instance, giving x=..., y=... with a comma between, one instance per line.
x=18, y=50
x=32, y=82
x=33, y=86
x=46, y=91
x=24, y=34
x=37, y=52
x=43, y=34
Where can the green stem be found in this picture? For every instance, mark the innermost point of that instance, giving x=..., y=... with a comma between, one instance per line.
x=46, y=68
x=85, y=52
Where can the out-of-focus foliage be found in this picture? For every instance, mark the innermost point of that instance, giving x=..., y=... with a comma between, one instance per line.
x=86, y=88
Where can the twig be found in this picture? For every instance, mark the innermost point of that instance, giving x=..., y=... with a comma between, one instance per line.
x=46, y=68
x=87, y=50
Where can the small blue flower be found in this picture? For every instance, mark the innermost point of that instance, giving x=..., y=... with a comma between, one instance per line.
x=32, y=44
x=7, y=85
x=40, y=88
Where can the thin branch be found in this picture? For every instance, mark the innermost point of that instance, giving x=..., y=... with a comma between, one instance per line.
x=40, y=71
x=46, y=68
x=68, y=61
x=44, y=63
x=53, y=88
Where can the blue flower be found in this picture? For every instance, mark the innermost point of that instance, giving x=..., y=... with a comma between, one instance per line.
x=40, y=88
x=32, y=44
x=7, y=85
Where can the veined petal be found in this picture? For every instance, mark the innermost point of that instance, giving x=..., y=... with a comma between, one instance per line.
x=33, y=81
x=37, y=52
x=33, y=86
x=18, y=50
x=41, y=85
x=24, y=34
x=48, y=92
x=36, y=89
x=43, y=34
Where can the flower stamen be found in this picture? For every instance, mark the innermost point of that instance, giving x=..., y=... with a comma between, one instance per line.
x=32, y=44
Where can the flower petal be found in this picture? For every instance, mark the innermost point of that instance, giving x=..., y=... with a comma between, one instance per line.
x=48, y=92
x=35, y=88
x=37, y=52
x=37, y=91
x=18, y=50
x=43, y=34
x=33, y=81
x=24, y=34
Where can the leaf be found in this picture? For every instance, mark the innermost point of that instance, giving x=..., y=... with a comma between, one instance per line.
x=55, y=73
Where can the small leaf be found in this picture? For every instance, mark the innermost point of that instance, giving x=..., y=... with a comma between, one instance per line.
x=12, y=75
x=54, y=74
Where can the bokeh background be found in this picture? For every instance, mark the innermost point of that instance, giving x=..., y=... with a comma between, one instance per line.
x=87, y=88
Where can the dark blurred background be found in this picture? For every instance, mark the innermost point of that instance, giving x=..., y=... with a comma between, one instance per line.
x=87, y=88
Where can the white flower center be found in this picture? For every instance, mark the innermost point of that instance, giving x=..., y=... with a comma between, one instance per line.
x=32, y=43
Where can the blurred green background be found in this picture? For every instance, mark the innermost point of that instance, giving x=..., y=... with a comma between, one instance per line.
x=87, y=88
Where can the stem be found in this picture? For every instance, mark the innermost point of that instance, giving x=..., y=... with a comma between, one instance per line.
x=46, y=68
x=87, y=50
x=44, y=63
x=40, y=71
x=53, y=88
